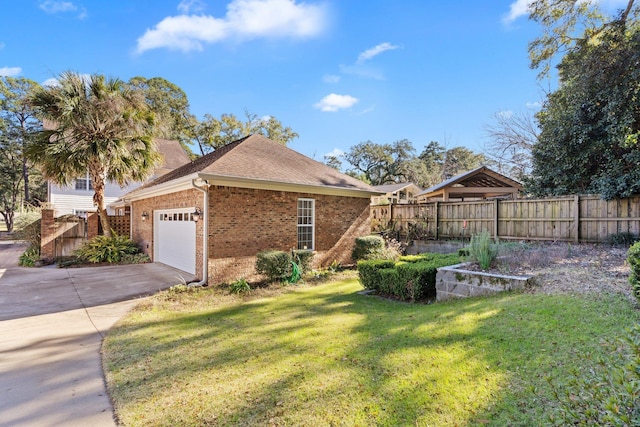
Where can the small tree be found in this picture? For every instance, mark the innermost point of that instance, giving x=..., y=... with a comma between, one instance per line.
x=100, y=126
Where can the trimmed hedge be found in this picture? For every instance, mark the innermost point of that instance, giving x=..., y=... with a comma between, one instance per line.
x=367, y=247
x=412, y=278
x=633, y=258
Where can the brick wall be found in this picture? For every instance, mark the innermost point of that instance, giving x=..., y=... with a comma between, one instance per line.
x=244, y=222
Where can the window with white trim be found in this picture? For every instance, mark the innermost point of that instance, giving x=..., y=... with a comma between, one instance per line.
x=306, y=223
x=84, y=183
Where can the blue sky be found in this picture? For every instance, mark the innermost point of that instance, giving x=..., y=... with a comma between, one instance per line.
x=338, y=72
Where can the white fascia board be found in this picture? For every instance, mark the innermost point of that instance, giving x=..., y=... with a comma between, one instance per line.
x=232, y=181
x=173, y=186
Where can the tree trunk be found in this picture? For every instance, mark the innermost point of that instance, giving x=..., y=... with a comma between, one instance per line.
x=8, y=220
x=98, y=201
x=25, y=177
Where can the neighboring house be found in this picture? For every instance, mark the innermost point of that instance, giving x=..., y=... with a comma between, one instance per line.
x=403, y=193
x=211, y=218
x=477, y=184
x=77, y=199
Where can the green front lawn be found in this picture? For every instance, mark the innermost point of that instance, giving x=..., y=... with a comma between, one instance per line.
x=327, y=356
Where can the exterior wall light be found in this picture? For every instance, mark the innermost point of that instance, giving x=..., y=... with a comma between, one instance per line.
x=196, y=214
x=145, y=215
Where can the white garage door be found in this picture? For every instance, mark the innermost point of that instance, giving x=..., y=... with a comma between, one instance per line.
x=175, y=239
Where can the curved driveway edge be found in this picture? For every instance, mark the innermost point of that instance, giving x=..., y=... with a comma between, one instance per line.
x=51, y=326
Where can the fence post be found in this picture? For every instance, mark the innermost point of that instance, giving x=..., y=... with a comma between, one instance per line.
x=47, y=235
x=437, y=221
x=495, y=219
x=576, y=218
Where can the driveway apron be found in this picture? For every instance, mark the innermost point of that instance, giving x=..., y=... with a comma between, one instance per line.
x=52, y=322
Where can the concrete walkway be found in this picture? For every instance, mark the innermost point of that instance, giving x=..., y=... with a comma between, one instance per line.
x=52, y=322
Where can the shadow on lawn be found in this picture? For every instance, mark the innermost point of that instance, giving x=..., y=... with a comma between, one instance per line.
x=329, y=356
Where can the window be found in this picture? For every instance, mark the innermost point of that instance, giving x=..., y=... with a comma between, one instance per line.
x=306, y=223
x=84, y=183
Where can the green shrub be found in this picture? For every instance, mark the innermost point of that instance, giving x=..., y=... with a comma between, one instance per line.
x=413, y=278
x=240, y=286
x=114, y=249
x=368, y=247
x=29, y=257
x=482, y=250
x=303, y=259
x=621, y=239
x=276, y=265
x=633, y=259
x=609, y=395
x=368, y=272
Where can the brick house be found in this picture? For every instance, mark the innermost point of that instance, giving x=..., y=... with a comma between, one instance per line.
x=212, y=216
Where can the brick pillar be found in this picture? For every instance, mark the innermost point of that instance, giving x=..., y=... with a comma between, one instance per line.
x=47, y=235
x=92, y=225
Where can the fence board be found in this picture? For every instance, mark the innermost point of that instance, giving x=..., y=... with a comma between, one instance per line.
x=575, y=218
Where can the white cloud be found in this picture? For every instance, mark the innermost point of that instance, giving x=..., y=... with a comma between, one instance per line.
x=334, y=102
x=330, y=78
x=517, y=9
x=245, y=19
x=191, y=6
x=362, y=71
x=54, y=6
x=10, y=71
x=375, y=51
x=335, y=153
x=50, y=82
x=367, y=110
x=533, y=105
x=2, y=45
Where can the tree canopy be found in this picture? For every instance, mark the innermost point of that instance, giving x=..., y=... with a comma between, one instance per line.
x=171, y=107
x=211, y=133
x=19, y=184
x=98, y=125
x=590, y=125
x=379, y=164
x=569, y=24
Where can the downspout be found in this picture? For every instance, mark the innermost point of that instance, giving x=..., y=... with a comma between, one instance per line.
x=205, y=233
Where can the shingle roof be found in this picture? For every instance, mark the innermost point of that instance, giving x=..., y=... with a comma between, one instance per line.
x=390, y=188
x=256, y=157
x=173, y=155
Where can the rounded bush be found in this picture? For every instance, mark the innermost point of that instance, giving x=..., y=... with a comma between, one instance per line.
x=633, y=258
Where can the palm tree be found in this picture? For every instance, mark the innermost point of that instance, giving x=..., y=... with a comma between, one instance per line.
x=98, y=125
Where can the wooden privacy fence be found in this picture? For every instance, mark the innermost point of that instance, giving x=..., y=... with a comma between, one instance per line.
x=574, y=219
x=70, y=233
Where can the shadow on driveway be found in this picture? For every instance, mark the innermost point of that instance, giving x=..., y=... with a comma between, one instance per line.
x=51, y=326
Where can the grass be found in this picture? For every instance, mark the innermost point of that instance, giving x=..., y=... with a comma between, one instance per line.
x=325, y=355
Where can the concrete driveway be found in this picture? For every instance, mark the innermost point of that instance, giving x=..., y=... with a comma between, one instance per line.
x=52, y=322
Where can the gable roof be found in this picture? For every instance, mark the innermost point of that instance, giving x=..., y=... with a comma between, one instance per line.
x=173, y=156
x=258, y=162
x=479, y=182
x=391, y=188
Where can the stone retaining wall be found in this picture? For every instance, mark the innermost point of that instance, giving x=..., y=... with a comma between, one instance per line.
x=455, y=281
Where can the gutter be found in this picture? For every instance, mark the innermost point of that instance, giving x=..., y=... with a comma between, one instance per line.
x=205, y=234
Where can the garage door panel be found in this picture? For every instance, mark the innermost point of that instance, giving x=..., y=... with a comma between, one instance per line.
x=176, y=239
